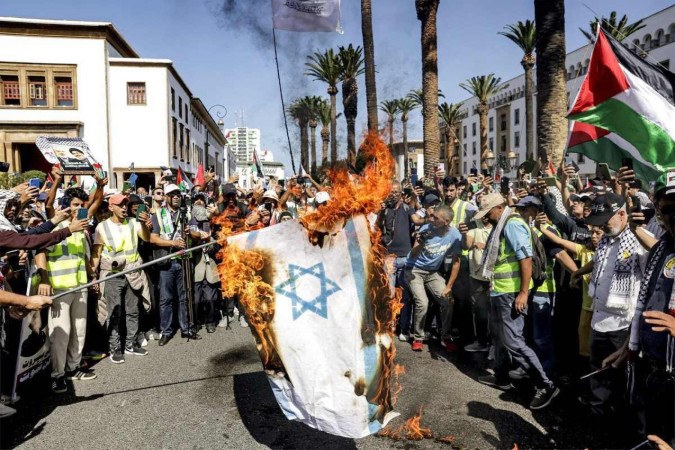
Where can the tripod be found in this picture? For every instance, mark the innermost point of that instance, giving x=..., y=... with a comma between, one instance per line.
x=186, y=263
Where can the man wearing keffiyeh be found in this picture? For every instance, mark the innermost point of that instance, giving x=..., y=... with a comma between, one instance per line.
x=617, y=270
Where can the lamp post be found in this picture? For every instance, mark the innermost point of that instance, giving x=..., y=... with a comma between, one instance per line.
x=221, y=112
x=490, y=160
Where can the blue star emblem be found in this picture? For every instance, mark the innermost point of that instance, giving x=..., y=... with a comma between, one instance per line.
x=319, y=304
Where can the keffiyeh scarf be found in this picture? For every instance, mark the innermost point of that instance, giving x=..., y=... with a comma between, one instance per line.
x=491, y=252
x=6, y=196
x=625, y=283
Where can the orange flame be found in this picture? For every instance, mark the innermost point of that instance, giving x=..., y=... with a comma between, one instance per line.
x=411, y=430
x=515, y=446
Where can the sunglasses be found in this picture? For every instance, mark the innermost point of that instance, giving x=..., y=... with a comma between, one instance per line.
x=159, y=193
x=173, y=194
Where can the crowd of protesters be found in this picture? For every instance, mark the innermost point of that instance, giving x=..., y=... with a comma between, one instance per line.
x=549, y=278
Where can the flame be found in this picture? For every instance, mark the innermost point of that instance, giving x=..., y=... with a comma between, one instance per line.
x=411, y=430
x=515, y=446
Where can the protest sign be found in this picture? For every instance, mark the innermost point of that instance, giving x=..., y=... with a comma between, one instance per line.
x=71, y=154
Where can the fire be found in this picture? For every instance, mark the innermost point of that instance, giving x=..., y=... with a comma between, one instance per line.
x=515, y=446
x=411, y=430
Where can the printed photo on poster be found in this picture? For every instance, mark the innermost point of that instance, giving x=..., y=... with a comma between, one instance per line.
x=71, y=154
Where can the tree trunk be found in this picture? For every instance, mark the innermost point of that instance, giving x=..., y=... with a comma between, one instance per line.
x=552, y=125
x=325, y=138
x=391, y=135
x=312, y=136
x=404, y=121
x=528, y=64
x=350, y=108
x=304, y=144
x=332, y=91
x=369, y=57
x=448, y=153
x=426, y=13
x=482, y=122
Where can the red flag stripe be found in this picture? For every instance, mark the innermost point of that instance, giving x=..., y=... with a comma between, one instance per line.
x=583, y=132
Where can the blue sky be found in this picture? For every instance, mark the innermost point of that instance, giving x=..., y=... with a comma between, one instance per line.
x=228, y=58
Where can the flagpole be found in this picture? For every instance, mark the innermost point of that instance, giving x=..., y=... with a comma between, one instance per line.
x=281, y=94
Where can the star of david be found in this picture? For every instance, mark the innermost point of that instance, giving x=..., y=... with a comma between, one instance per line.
x=319, y=304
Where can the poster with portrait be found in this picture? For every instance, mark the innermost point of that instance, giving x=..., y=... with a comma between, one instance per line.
x=71, y=154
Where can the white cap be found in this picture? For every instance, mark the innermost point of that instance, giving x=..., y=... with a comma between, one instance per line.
x=271, y=194
x=169, y=188
x=321, y=197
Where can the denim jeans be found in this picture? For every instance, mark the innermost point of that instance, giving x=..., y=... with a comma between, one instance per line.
x=419, y=282
x=170, y=289
x=541, y=315
x=506, y=327
x=396, y=279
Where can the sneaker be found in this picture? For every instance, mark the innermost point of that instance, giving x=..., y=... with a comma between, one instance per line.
x=79, y=374
x=477, y=347
x=518, y=374
x=450, y=346
x=164, y=340
x=59, y=385
x=117, y=357
x=491, y=380
x=210, y=328
x=544, y=396
x=242, y=322
x=190, y=335
x=491, y=353
x=153, y=335
x=135, y=350
x=142, y=341
x=417, y=345
x=403, y=337
x=6, y=411
x=223, y=322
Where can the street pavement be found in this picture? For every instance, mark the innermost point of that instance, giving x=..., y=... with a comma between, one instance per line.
x=212, y=393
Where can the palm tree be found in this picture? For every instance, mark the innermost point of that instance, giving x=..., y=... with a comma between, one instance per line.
x=620, y=30
x=523, y=34
x=324, y=118
x=299, y=111
x=552, y=123
x=451, y=117
x=351, y=66
x=426, y=14
x=325, y=67
x=417, y=96
x=369, y=51
x=313, y=104
x=390, y=107
x=483, y=87
x=405, y=105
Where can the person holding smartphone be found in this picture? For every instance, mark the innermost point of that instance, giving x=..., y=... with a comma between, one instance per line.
x=63, y=267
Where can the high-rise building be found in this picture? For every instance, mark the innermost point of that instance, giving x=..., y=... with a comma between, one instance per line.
x=243, y=140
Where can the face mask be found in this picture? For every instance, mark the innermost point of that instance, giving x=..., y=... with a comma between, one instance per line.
x=199, y=213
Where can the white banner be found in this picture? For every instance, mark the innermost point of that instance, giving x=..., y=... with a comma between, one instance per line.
x=306, y=15
x=331, y=368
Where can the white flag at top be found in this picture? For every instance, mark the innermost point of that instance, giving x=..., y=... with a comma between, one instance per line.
x=306, y=15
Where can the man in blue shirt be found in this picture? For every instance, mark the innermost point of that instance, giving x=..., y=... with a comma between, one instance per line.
x=435, y=240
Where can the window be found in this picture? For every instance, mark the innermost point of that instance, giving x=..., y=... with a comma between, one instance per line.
x=180, y=107
x=503, y=122
x=581, y=158
x=37, y=90
x=187, y=118
x=464, y=149
x=516, y=116
x=136, y=93
x=464, y=167
x=516, y=139
x=11, y=90
x=473, y=129
x=174, y=134
x=492, y=144
x=491, y=123
x=63, y=85
x=464, y=132
x=187, y=143
x=180, y=142
x=473, y=147
x=173, y=99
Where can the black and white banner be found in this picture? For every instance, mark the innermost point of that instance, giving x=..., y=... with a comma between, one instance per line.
x=307, y=15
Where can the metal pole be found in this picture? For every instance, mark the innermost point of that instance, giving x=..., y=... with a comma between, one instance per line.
x=588, y=375
x=133, y=269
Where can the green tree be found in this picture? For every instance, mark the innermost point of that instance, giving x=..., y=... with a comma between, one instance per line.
x=390, y=107
x=451, y=117
x=523, y=34
x=326, y=67
x=313, y=105
x=298, y=110
x=417, y=96
x=483, y=87
x=405, y=106
x=351, y=66
x=619, y=30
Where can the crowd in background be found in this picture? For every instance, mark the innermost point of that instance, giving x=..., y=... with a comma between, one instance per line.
x=548, y=278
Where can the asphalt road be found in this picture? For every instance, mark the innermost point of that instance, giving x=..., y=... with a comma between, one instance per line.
x=213, y=393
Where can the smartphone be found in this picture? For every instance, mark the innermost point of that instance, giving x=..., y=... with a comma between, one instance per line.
x=637, y=206
x=486, y=172
x=569, y=161
x=82, y=213
x=472, y=225
x=141, y=209
x=473, y=172
x=13, y=259
x=34, y=183
x=627, y=162
x=505, y=184
x=126, y=186
x=105, y=174
x=603, y=171
x=551, y=181
x=407, y=192
x=65, y=201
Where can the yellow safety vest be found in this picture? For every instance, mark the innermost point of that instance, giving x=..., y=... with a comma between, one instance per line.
x=66, y=261
x=548, y=286
x=120, y=240
x=459, y=215
x=506, y=279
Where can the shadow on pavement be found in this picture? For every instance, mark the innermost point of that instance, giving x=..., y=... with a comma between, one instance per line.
x=267, y=424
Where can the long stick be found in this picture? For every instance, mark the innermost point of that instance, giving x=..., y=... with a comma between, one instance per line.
x=641, y=444
x=133, y=269
x=588, y=375
x=281, y=94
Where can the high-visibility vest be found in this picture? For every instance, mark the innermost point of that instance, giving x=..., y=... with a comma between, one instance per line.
x=548, y=286
x=120, y=240
x=459, y=215
x=506, y=279
x=66, y=261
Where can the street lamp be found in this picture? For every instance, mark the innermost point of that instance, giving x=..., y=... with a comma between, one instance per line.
x=512, y=160
x=490, y=159
x=221, y=112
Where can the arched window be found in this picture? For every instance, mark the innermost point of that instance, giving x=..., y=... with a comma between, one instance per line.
x=585, y=67
x=636, y=44
x=660, y=38
x=647, y=42
x=571, y=74
x=671, y=33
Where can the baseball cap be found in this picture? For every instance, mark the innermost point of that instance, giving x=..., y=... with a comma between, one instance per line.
x=430, y=199
x=529, y=200
x=229, y=188
x=271, y=195
x=603, y=208
x=118, y=199
x=169, y=188
x=665, y=184
x=42, y=197
x=488, y=202
x=134, y=199
x=321, y=197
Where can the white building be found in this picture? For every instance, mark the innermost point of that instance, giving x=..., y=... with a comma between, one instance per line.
x=243, y=140
x=82, y=79
x=506, y=117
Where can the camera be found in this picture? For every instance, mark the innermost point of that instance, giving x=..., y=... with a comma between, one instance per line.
x=424, y=235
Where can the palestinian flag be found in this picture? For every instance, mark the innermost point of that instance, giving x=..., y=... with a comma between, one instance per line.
x=628, y=106
x=257, y=165
x=183, y=181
